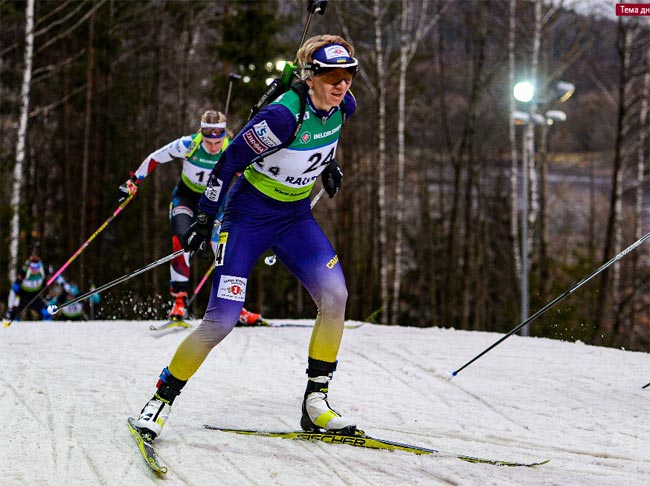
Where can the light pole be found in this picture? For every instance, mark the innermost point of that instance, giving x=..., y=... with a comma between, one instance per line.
x=524, y=92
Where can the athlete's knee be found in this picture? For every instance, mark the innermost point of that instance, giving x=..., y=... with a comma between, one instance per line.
x=182, y=211
x=181, y=218
x=333, y=298
x=212, y=332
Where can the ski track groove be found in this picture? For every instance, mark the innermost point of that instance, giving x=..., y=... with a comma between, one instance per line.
x=340, y=470
x=507, y=442
x=288, y=453
x=242, y=354
x=225, y=461
x=362, y=354
x=160, y=451
x=533, y=446
x=403, y=356
x=125, y=469
x=88, y=459
x=52, y=436
x=24, y=403
x=430, y=371
x=66, y=419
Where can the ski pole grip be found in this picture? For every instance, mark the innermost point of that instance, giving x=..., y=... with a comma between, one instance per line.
x=317, y=6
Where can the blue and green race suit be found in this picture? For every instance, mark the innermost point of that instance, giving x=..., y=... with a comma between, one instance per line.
x=268, y=207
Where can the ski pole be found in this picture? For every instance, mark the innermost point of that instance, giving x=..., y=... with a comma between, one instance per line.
x=313, y=6
x=231, y=79
x=556, y=300
x=316, y=198
x=53, y=309
x=73, y=257
x=281, y=84
x=646, y=386
x=270, y=260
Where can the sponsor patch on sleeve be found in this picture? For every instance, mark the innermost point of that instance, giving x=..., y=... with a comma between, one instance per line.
x=260, y=137
x=232, y=288
x=213, y=189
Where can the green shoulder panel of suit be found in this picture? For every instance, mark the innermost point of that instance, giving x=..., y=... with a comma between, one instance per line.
x=314, y=135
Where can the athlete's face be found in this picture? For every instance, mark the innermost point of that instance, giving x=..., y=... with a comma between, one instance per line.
x=329, y=89
x=213, y=145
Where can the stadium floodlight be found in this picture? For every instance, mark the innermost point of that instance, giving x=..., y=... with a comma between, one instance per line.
x=537, y=119
x=564, y=90
x=520, y=117
x=524, y=91
x=553, y=116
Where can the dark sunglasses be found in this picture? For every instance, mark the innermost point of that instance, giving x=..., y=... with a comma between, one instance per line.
x=213, y=132
x=335, y=75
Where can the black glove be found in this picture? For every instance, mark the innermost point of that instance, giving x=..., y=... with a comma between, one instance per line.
x=332, y=178
x=197, y=238
x=130, y=187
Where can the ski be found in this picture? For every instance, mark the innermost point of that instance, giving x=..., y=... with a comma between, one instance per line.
x=301, y=324
x=184, y=325
x=146, y=448
x=170, y=324
x=360, y=439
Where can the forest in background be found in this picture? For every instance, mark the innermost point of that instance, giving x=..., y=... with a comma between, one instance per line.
x=428, y=223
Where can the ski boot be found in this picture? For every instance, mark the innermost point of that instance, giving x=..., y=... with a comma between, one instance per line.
x=153, y=416
x=155, y=413
x=317, y=415
x=179, y=311
x=247, y=318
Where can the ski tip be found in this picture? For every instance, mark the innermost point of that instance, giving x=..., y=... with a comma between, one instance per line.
x=6, y=324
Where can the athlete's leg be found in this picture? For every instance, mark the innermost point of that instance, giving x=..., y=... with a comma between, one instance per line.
x=181, y=217
x=238, y=249
x=308, y=254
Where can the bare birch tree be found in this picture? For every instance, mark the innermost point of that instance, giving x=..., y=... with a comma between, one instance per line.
x=378, y=14
x=603, y=300
x=22, y=134
x=514, y=160
x=625, y=154
x=639, y=327
x=412, y=31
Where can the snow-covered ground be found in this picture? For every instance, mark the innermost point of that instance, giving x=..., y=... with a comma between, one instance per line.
x=67, y=388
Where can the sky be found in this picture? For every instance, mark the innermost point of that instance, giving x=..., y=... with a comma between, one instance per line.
x=67, y=388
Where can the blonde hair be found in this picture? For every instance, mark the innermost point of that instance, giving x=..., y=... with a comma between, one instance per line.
x=213, y=116
x=312, y=44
